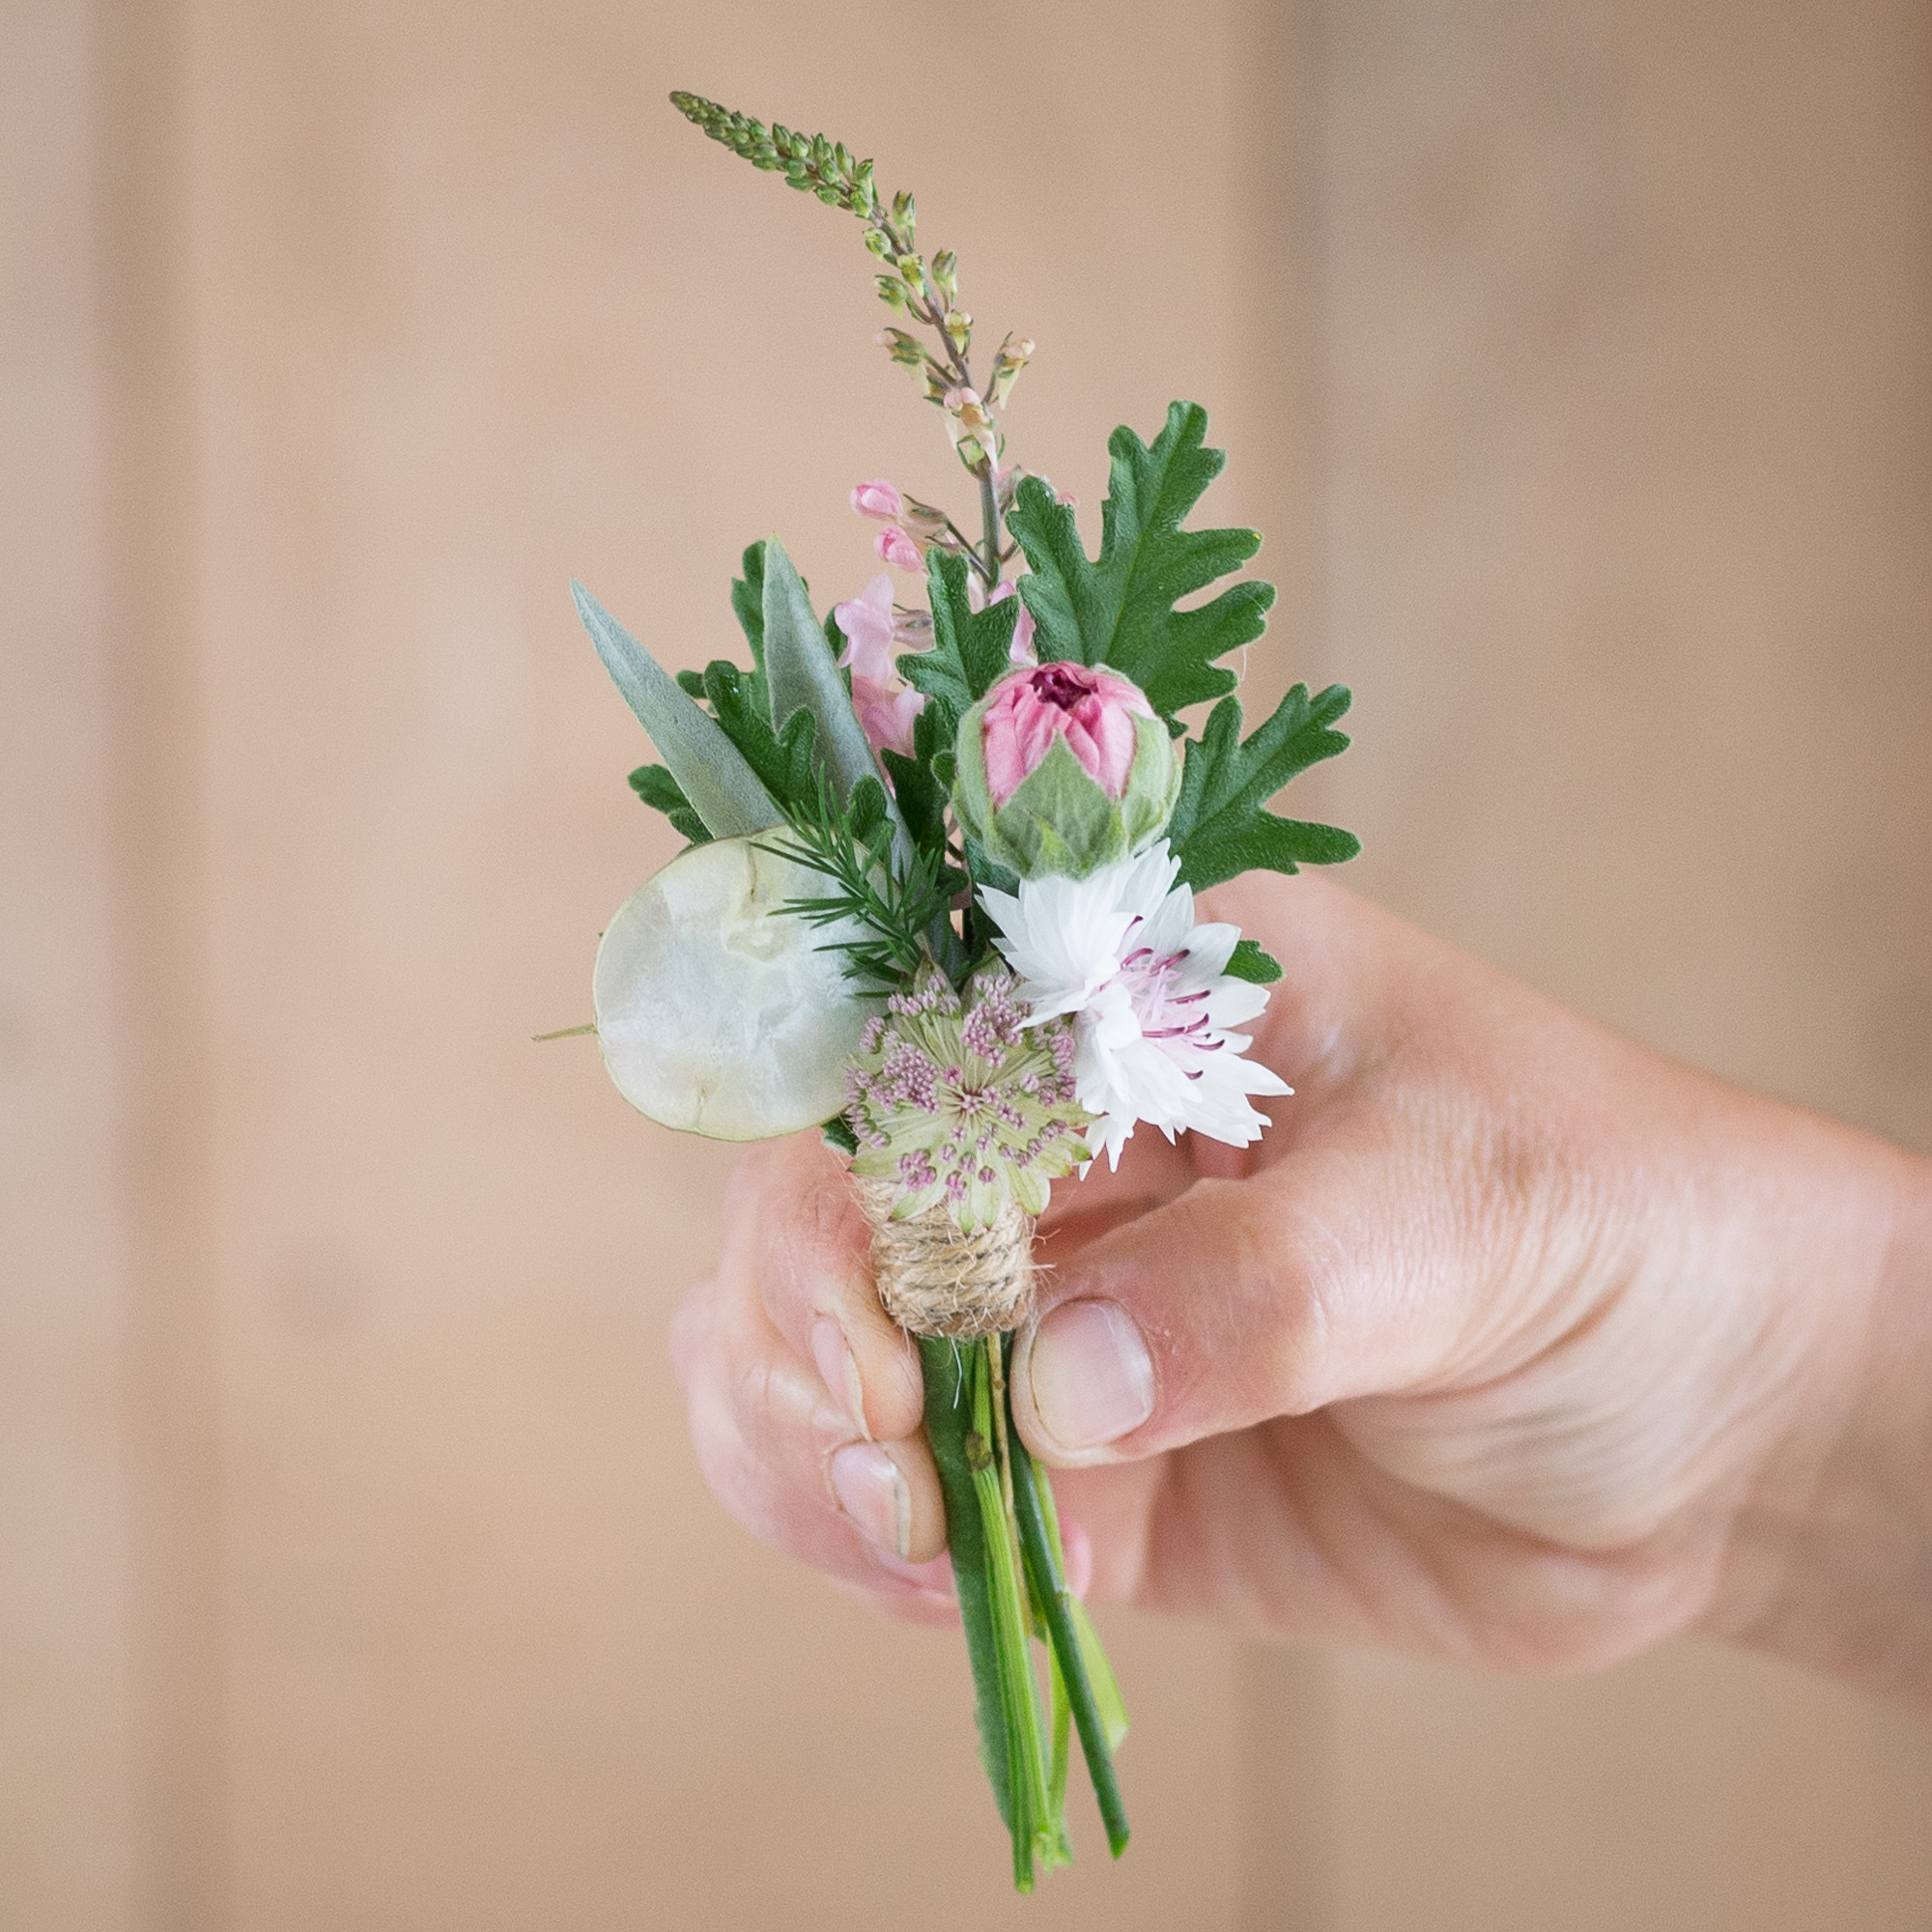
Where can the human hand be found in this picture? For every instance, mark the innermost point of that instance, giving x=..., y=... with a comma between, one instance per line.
x=1511, y=1343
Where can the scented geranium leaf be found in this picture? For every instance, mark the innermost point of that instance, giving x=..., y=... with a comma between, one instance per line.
x=656, y=787
x=747, y=600
x=801, y=669
x=866, y=813
x=721, y=789
x=919, y=788
x=1219, y=828
x=692, y=683
x=972, y=650
x=784, y=760
x=1119, y=609
x=1250, y=961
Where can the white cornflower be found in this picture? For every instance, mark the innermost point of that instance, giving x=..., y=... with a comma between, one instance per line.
x=1152, y=1004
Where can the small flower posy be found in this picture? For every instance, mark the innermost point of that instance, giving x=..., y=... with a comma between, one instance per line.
x=988, y=807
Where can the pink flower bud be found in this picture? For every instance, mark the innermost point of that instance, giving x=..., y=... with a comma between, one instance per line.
x=878, y=499
x=897, y=548
x=1093, y=710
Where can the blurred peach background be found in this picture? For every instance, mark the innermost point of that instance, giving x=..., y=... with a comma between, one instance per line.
x=354, y=1571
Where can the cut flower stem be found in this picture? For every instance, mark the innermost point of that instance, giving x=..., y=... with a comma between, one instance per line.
x=1010, y=1573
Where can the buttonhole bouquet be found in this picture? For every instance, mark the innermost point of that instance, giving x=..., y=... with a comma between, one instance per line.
x=938, y=902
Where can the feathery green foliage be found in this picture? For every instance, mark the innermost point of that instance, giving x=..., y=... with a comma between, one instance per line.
x=852, y=845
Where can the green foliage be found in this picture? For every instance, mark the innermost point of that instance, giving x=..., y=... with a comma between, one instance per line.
x=917, y=782
x=710, y=771
x=1251, y=962
x=1218, y=829
x=784, y=760
x=656, y=787
x=748, y=604
x=1120, y=611
x=852, y=845
x=801, y=669
x=971, y=649
x=838, y=1135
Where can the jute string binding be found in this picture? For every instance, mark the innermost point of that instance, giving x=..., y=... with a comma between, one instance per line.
x=936, y=1281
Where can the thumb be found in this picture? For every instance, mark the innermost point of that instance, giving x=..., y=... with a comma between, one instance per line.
x=1240, y=1302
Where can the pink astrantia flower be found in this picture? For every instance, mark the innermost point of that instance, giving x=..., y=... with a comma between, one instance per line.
x=879, y=498
x=1021, y=651
x=1093, y=709
x=886, y=707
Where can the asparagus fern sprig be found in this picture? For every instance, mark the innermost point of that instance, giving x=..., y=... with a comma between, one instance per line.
x=900, y=901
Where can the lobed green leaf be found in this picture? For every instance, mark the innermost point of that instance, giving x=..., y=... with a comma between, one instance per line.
x=1119, y=610
x=1250, y=961
x=1219, y=828
x=656, y=787
x=972, y=650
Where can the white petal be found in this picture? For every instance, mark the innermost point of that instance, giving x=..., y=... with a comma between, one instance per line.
x=1233, y=1002
x=1210, y=947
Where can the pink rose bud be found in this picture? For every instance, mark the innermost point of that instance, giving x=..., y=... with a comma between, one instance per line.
x=878, y=499
x=1093, y=710
x=1062, y=768
x=897, y=548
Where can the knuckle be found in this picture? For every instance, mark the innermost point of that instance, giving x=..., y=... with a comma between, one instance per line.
x=1262, y=1313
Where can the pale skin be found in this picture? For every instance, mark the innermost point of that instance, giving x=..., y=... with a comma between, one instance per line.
x=1511, y=1343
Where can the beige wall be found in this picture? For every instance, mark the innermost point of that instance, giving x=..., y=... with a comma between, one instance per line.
x=355, y=1570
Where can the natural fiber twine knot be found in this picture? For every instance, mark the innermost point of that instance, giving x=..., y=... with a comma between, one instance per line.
x=936, y=1281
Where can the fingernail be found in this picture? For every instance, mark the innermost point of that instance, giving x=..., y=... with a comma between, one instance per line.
x=1089, y=1375
x=840, y=1368
x=872, y=1493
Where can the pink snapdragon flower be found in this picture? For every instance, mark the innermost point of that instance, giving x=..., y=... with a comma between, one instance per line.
x=1093, y=710
x=879, y=498
x=886, y=707
x=1021, y=651
x=886, y=718
x=897, y=548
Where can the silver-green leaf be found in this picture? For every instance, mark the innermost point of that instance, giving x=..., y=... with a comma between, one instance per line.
x=723, y=788
x=800, y=669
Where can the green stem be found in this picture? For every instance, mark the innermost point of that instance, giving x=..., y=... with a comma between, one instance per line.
x=1033, y=1824
x=949, y=1421
x=989, y=512
x=1056, y=1602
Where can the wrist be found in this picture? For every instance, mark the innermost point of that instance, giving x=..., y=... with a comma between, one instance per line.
x=1829, y=1562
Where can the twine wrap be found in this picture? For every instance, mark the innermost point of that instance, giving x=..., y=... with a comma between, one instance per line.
x=936, y=1281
